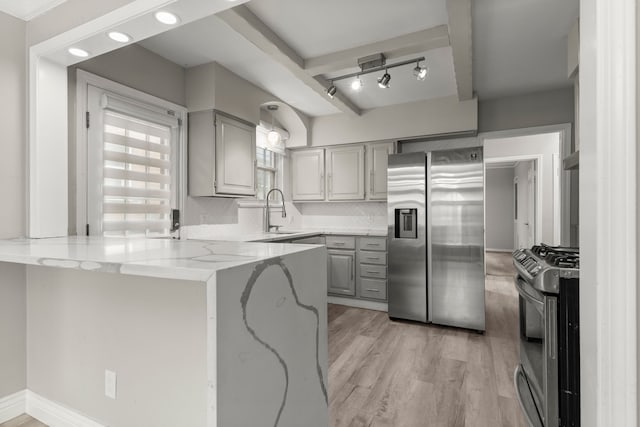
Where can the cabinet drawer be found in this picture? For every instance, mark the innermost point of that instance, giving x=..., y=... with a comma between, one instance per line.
x=373, y=243
x=373, y=288
x=341, y=242
x=379, y=271
x=368, y=257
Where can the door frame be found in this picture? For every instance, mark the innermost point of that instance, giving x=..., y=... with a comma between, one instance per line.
x=537, y=159
x=561, y=187
x=83, y=81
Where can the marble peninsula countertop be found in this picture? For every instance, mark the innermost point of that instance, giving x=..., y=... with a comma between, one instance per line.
x=232, y=234
x=196, y=260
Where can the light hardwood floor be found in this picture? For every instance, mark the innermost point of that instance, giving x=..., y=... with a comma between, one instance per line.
x=402, y=374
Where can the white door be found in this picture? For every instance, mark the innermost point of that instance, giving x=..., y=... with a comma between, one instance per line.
x=377, y=162
x=132, y=163
x=345, y=173
x=307, y=174
x=235, y=157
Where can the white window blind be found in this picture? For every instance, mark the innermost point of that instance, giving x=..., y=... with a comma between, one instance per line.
x=136, y=176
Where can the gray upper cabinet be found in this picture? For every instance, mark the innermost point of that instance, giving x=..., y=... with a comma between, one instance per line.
x=345, y=173
x=307, y=174
x=222, y=155
x=377, y=159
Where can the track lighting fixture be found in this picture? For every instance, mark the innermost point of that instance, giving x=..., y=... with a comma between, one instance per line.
x=331, y=92
x=420, y=72
x=373, y=64
x=383, y=82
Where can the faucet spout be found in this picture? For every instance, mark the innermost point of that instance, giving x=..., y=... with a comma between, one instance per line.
x=267, y=217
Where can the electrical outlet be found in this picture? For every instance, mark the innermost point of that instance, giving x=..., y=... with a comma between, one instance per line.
x=110, y=384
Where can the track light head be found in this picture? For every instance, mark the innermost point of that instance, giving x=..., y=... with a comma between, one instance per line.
x=420, y=72
x=331, y=92
x=356, y=84
x=383, y=82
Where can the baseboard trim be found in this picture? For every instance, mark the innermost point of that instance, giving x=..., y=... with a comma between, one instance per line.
x=55, y=415
x=499, y=250
x=13, y=406
x=359, y=303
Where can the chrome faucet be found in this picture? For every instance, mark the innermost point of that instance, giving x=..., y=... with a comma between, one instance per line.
x=267, y=220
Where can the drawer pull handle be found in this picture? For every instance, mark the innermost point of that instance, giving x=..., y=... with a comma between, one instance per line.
x=373, y=290
x=372, y=257
x=373, y=244
x=339, y=243
x=373, y=272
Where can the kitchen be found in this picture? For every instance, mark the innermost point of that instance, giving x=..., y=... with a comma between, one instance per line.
x=55, y=215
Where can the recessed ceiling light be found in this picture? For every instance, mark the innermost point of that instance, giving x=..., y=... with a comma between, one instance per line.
x=119, y=37
x=167, y=18
x=76, y=51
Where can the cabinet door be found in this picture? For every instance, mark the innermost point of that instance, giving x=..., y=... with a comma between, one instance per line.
x=235, y=157
x=307, y=174
x=377, y=155
x=341, y=273
x=345, y=173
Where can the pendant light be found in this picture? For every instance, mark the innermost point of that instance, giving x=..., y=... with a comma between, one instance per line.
x=273, y=137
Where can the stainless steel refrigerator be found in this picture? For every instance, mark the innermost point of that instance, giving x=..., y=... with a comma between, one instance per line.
x=436, y=237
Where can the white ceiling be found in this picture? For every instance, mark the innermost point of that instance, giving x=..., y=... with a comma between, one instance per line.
x=318, y=27
x=210, y=39
x=28, y=9
x=520, y=46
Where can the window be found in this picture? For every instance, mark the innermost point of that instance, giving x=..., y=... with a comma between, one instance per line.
x=136, y=177
x=132, y=166
x=268, y=166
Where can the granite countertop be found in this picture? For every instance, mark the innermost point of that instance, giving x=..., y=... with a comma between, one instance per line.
x=196, y=260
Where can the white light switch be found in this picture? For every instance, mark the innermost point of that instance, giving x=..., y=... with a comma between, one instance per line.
x=110, y=384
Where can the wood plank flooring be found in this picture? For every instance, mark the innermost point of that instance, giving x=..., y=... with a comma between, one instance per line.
x=397, y=374
x=402, y=374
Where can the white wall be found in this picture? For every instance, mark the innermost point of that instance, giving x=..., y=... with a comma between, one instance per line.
x=414, y=119
x=13, y=329
x=12, y=194
x=137, y=67
x=145, y=327
x=499, y=211
x=522, y=111
x=12, y=123
x=546, y=145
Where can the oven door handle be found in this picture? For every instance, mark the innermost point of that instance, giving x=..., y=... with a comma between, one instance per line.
x=523, y=289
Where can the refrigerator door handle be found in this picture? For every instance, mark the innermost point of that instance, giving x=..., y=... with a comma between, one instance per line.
x=428, y=236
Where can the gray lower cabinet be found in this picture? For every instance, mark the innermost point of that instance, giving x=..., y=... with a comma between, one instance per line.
x=341, y=274
x=372, y=268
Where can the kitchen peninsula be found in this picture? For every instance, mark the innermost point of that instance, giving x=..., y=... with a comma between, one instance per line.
x=199, y=333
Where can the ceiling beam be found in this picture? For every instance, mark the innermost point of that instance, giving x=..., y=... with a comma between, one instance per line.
x=248, y=25
x=397, y=47
x=460, y=37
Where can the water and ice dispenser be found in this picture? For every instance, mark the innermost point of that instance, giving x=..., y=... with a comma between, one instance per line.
x=406, y=221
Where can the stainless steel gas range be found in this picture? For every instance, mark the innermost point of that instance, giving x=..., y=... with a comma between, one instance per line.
x=547, y=380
